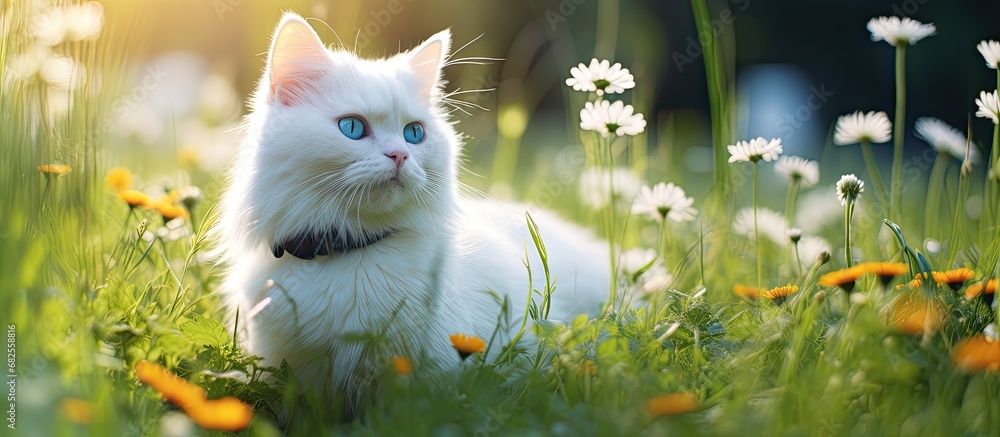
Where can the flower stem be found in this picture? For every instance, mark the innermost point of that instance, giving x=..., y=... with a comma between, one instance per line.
x=663, y=239
x=798, y=260
x=609, y=222
x=992, y=177
x=793, y=189
x=963, y=188
x=718, y=90
x=876, y=176
x=756, y=233
x=933, y=201
x=897, y=137
x=848, y=212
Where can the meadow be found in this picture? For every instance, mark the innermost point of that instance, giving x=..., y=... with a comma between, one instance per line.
x=768, y=296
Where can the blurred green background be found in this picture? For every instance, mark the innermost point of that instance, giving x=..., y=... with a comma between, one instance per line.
x=784, y=51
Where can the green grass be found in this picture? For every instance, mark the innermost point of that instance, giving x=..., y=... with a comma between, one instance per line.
x=89, y=298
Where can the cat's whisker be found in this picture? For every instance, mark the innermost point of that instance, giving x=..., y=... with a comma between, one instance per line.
x=456, y=108
x=465, y=104
x=468, y=63
x=463, y=47
x=460, y=91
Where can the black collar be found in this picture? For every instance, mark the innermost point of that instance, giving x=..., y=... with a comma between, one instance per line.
x=310, y=245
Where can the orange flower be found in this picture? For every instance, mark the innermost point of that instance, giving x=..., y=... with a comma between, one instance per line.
x=467, y=344
x=984, y=289
x=169, y=210
x=954, y=278
x=118, y=179
x=134, y=198
x=886, y=271
x=977, y=353
x=843, y=278
x=224, y=414
x=75, y=410
x=914, y=284
x=54, y=169
x=177, y=390
x=401, y=365
x=173, y=196
x=671, y=404
x=746, y=291
x=915, y=315
x=779, y=294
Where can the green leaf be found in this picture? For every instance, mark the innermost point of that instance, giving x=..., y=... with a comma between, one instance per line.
x=205, y=332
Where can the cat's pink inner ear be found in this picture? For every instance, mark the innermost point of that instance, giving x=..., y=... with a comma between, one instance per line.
x=426, y=62
x=296, y=62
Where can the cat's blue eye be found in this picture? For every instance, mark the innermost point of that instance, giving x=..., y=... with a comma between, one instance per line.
x=413, y=133
x=352, y=127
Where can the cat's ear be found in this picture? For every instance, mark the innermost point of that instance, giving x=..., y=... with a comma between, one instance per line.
x=426, y=62
x=296, y=61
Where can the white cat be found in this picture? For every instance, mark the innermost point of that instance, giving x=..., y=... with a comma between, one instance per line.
x=345, y=195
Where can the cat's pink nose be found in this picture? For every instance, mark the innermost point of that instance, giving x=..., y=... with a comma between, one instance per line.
x=397, y=156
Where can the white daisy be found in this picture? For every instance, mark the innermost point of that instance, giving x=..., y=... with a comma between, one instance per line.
x=606, y=117
x=795, y=168
x=944, y=138
x=664, y=201
x=594, y=189
x=989, y=106
x=991, y=52
x=897, y=31
x=53, y=25
x=815, y=211
x=83, y=21
x=63, y=72
x=633, y=260
x=654, y=280
x=755, y=150
x=794, y=234
x=190, y=195
x=600, y=77
x=27, y=64
x=873, y=127
x=771, y=224
x=849, y=188
x=811, y=247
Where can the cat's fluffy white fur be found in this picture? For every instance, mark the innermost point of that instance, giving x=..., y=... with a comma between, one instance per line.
x=296, y=171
